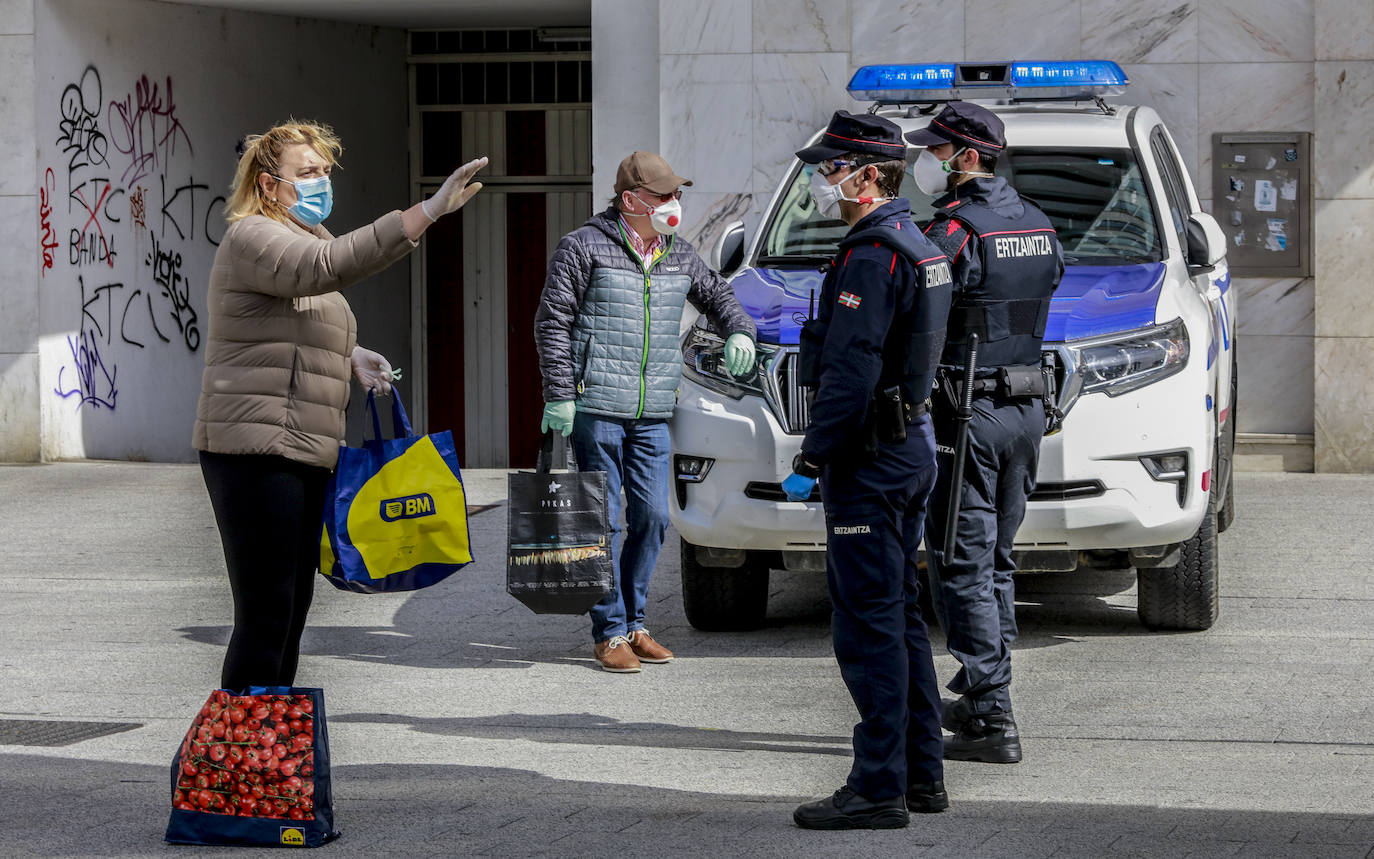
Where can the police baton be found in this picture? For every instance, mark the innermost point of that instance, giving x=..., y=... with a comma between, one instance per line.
x=956, y=479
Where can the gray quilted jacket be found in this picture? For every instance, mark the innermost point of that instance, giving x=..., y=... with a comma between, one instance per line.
x=608, y=332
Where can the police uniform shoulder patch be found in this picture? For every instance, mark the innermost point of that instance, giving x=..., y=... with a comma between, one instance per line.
x=850, y=300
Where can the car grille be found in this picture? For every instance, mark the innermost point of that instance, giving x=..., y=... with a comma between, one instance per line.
x=790, y=402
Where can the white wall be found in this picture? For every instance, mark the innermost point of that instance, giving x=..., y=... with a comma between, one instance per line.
x=139, y=106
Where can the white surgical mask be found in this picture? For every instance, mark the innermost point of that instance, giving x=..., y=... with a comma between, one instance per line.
x=828, y=197
x=666, y=218
x=932, y=174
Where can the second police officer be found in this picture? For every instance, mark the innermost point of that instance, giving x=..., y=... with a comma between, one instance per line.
x=870, y=356
x=1007, y=262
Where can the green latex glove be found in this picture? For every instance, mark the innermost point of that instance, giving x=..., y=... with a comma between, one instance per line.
x=739, y=354
x=559, y=416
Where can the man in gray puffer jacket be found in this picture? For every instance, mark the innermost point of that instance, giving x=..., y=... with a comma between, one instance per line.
x=607, y=330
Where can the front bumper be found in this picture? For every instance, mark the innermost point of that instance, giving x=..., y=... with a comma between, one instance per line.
x=1102, y=442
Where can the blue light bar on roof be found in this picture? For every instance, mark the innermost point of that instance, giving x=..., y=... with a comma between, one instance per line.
x=1025, y=79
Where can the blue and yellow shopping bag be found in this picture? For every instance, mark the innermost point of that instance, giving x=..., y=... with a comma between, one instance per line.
x=395, y=514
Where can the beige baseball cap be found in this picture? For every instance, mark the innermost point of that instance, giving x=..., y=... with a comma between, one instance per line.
x=647, y=170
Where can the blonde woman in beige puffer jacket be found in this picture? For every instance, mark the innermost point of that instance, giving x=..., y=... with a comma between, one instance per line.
x=282, y=344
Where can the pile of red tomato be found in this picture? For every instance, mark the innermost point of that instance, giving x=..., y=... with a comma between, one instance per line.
x=250, y=756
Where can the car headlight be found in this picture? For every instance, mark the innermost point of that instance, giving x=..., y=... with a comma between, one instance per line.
x=703, y=361
x=1126, y=362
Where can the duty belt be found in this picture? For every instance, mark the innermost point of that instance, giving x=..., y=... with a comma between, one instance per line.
x=1025, y=381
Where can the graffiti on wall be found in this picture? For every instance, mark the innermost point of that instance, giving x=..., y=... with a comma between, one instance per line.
x=132, y=218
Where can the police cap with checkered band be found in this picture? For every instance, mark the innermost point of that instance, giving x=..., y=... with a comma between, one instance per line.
x=963, y=124
x=861, y=134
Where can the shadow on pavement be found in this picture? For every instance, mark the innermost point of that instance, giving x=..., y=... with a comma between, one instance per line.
x=593, y=730
x=469, y=622
x=99, y=808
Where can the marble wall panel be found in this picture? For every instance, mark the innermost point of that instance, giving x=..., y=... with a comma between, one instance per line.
x=1250, y=31
x=19, y=273
x=1132, y=32
x=794, y=97
x=1251, y=97
x=1344, y=402
x=19, y=412
x=705, y=27
x=1344, y=30
x=787, y=26
x=1344, y=257
x=1343, y=147
x=16, y=16
x=1172, y=90
x=1275, y=383
x=706, y=212
x=17, y=119
x=1280, y=306
x=906, y=31
x=705, y=120
x=1017, y=29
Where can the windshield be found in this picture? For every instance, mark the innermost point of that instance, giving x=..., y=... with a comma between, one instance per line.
x=1096, y=200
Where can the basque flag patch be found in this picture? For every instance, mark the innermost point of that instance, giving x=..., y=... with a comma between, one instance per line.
x=850, y=300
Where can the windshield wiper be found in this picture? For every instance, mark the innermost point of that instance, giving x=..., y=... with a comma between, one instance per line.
x=796, y=260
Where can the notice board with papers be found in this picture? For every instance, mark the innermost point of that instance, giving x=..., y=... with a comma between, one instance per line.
x=1262, y=197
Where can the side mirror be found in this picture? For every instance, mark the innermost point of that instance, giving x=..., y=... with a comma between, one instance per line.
x=1206, y=243
x=728, y=253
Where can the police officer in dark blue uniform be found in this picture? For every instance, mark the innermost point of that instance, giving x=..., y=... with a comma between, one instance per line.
x=1007, y=263
x=870, y=355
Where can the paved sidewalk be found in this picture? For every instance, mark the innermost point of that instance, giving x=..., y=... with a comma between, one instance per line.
x=462, y=724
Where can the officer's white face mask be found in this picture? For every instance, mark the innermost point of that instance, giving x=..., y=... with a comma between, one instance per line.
x=828, y=197
x=932, y=175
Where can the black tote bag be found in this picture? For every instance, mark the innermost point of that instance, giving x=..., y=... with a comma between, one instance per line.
x=559, y=555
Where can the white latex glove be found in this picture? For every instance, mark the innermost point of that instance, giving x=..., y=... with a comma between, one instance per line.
x=373, y=371
x=455, y=191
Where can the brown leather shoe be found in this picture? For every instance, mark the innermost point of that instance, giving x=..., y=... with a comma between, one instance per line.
x=616, y=655
x=648, y=650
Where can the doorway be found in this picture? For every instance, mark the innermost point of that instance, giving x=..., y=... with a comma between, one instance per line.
x=523, y=99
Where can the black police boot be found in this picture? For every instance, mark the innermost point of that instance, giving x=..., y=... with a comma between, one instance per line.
x=927, y=797
x=992, y=739
x=954, y=713
x=845, y=809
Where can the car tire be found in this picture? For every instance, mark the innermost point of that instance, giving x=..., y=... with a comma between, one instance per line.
x=1184, y=596
x=723, y=599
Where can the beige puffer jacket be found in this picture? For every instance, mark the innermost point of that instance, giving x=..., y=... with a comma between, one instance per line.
x=277, y=366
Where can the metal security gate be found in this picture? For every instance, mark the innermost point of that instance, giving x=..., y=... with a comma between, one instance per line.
x=529, y=112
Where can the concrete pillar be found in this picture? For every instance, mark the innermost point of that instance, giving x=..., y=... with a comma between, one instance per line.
x=1343, y=168
x=19, y=231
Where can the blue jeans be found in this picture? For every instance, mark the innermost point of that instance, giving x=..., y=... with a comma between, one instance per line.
x=635, y=456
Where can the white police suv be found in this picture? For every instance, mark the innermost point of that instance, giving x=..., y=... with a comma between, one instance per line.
x=1142, y=330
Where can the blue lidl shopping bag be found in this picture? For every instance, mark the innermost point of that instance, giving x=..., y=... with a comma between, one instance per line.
x=253, y=770
x=395, y=514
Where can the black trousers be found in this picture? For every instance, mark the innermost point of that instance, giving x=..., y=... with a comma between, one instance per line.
x=973, y=592
x=875, y=511
x=269, y=510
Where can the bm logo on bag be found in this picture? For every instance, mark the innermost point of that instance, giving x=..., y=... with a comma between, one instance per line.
x=408, y=507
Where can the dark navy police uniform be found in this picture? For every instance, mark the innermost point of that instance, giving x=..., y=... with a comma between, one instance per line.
x=881, y=321
x=1007, y=262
